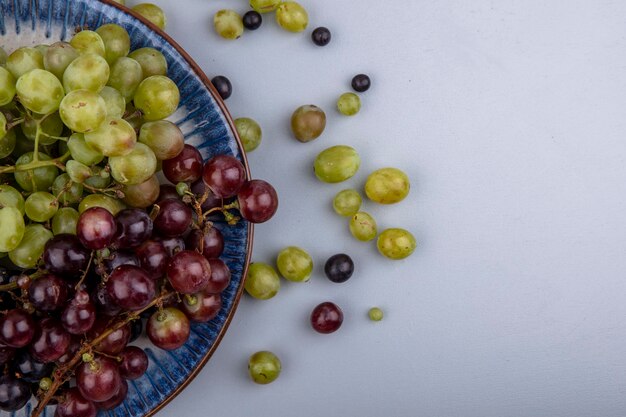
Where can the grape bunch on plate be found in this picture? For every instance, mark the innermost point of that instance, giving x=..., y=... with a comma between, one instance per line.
x=91, y=242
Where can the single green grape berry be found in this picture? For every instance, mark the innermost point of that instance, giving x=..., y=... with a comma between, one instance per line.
x=65, y=221
x=292, y=16
x=57, y=58
x=294, y=264
x=77, y=171
x=11, y=228
x=29, y=251
x=347, y=202
x=336, y=164
x=396, y=243
x=116, y=41
x=83, y=110
x=151, y=61
x=39, y=91
x=262, y=281
x=387, y=186
x=10, y=197
x=308, y=122
x=88, y=42
x=66, y=190
x=228, y=24
x=264, y=367
x=23, y=60
x=7, y=87
x=115, y=102
x=153, y=13
x=113, y=205
x=375, y=314
x=83, y=152
x=136, y=167
x=249, y=132
x=264, y=6
x=363, y=226
x=41, y=206
x=112, y=138
x=349, y=104
x=157, y=97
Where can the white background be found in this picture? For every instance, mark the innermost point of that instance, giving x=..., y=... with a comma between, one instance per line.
x=510, y=119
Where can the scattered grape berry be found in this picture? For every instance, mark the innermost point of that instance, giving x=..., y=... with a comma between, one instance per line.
x=252, y=20
x=339, y=268
x=321, y=36
x=223, y=86
x=326, y=317
x=360, y=83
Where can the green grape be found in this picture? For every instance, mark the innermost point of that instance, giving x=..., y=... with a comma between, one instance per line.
x=363, y=226
x=38, y=179
x=387, y=186
x=87, y=72
x=23, y=60
x=11, y=228
x=262, y=281
x=116, y=41
x=163, y=137
x=41, y=206
x=136, y=167
x=57, y=58
x=126, y=74
x=3, y=125
x=157, y=97
x=66, y=190
x=101, y=178
x=39, y=91
x=7, y=87
x=3, y=57
x=375, y=314
x=83, y=110
x=115, y=102
x=100, y=200
x=347, y=202
x=264, y=6
x=88, y=42
x=10, y=197
x=153, y=13
x=77, y=172
x=228, y=24
x=142, y=195
x=264, y=367
x=308, y=122
x=50, y=127
x=114, y=137
x=292, y=16
x=249, y=132
x=349, y=104
x=152, y=61
x=65, y=220
x=27, y=253
x=396, y=243
x=294, y=264
x=336, y=164
x=7, y=144
x=82, y=152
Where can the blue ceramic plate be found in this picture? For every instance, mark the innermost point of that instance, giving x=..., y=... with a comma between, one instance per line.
x=206, y=124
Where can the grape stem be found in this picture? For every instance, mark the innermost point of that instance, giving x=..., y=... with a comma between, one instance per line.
x=13, y=285
x=82, y=278
x=57, y=162
x=63, y=373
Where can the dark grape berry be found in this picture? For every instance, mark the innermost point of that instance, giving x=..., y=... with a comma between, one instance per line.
x=80, y=314
x=134, y=362
x=14, y=393
x=115, y=400
x=133, y=227
x=130, y=287
x=17, y=328
x=48, y=293
x=103, y=302
x=212, y=242
x=96, y=228
x=64, y=255
x=168, y=328
x=153, y=257
x=29, y=369
x=361, y=83
x=224, y=175
x=321, y=36
x=185, y=167
x=74, y=347
x=223, y=86
x=116, y=341
x=50, y=342
x=258, y=201
x=119, y=258
x=73, y=404
x=199, y=188
x=6, y=354
x=220, y=277
x=98, y=380
x=326, y=317
x=136, y=328
x=167, y=191
x=252, y=20
x=339, y=268
x=174, y=218
x=201, y=307
x=189, y=272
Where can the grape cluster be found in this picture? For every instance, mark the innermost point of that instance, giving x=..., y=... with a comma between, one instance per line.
x=93, y=249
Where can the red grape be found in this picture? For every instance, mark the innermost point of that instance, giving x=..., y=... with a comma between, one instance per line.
x=73, y=404
x=96, y=228
x=103, y=302
x=172, y=245
x=131, y=287
x=80, y=314
x=64, y=255
x=224, y=175
x=115, y=400
x=133, y=227
x=50, y=342
x=153, y=258
x=119, y=258
x=220, y=277
x=116, y=341
x=213, y=244
x=14, y=393
x=48, y=293
x=74, y=347
x=168, y=328
x=199, y=188
x=134, y=362
x=201, y=307
x=258, y=201
x=188, y=272
x=326, y=317
x=173, y=219
x=17, y=328
x=167, y=191
x=98, y=380
x=186, y=167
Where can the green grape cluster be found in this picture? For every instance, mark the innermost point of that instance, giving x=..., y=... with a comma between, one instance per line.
x=81, y=125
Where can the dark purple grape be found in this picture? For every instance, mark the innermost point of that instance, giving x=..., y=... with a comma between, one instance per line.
x=115, y=400
x=172, y=245
x=213, y=244
x=115, y=342
x=14, y=393
x=189, y=272
x=134, y=362
x=167, y=191
x=201, y=307
x=96, y=228
x=252, y=20
x=48, y=293
x=74, y=347
x=321, y=36
x=224, y=175
x=223, y=86
x=50, y=342
x=168, y=328
x=326, y=317
x=73, y=404
x=258, y=201
x=103, y=302
x=136, y=328
x=119, y=258
x=153, y=258
x=133, y=227
x=339, y=268
x=99, y=380
x=220, y=277
x=80, y=314
x=185, y=167
x=361, y=83
x=199, y=188
x=174, y=218
x=6, y=354
x=64, y=255
x=30, y=369
x=17, y=328
x=131, y=287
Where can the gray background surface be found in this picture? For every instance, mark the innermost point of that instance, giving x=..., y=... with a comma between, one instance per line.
x=509, y=117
